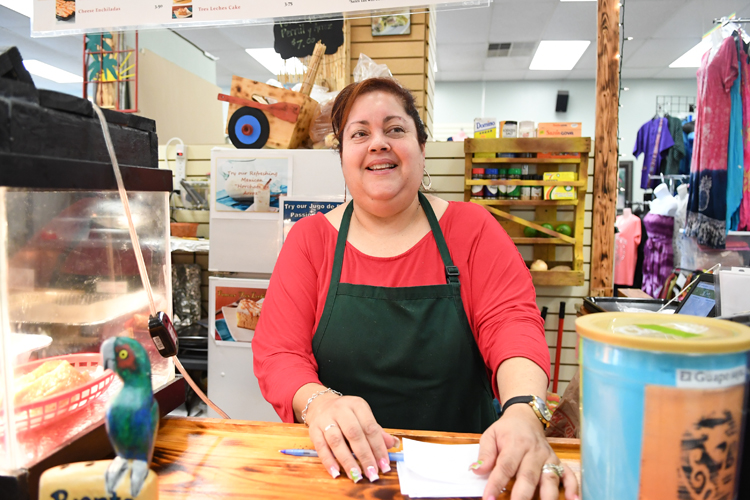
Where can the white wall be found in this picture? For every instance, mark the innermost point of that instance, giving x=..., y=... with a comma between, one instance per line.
x=458, y=103
x=176, y=49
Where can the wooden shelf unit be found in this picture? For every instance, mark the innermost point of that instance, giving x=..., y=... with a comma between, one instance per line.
x=545, y=211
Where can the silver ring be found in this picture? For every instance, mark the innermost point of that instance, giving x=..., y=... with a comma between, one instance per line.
x=553, y=468
x=329, y=426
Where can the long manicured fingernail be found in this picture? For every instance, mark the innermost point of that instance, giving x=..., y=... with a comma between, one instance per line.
x=385, y=466
x=490, y=497
x=372, y=474
x=334, y=472
x=476, y=465
x=355, y=475
x=398, y=442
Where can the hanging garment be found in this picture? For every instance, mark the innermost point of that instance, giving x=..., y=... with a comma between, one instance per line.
x=688, y=136
x=627, y=240
x=735, y=160
x=707, y=205
x=638, y=278
x=658, y=258
x=676, y=153
x=744, y=218
x=653, y=141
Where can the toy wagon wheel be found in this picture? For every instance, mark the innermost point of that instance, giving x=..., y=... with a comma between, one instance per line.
x=248, y=128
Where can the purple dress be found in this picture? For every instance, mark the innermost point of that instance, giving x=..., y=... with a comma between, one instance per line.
x=653, y=141
x=658, y=256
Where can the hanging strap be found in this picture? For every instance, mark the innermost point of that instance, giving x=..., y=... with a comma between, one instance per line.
x=451, y=271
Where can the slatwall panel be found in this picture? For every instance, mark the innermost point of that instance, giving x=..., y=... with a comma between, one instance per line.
x=410, y=58
x=445, y=164
x=197, y=168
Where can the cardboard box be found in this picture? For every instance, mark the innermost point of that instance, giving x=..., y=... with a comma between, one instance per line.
x=526, y=129
x=508, y=129
x=559, y=129
x=560, y=192
x=485, y=128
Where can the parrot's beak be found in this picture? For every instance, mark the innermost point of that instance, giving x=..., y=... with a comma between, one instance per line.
x=108, y=354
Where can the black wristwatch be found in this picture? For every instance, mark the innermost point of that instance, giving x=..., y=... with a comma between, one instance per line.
x=537, y=404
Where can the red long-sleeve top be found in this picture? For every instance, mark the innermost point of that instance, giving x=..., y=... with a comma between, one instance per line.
x=496, y=289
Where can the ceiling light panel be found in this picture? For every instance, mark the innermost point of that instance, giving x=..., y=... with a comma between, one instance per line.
x=558, y=54
x=692, y=58
x=53, y=73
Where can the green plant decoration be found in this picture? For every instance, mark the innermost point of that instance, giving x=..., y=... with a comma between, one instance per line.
x=100, y=64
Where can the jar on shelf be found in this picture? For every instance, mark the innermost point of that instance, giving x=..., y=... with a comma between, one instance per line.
x=477, y=192
x=526, y=188
x=490, y=190
x=502, y=189
x=514, y=192
x=537, y=192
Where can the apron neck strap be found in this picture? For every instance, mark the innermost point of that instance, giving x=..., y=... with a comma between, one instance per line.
x=451, y=271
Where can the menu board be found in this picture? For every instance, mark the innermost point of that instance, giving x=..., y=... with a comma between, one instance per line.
x=66, y=17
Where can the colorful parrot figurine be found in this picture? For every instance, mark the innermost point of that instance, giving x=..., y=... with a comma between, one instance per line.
x=132, y=417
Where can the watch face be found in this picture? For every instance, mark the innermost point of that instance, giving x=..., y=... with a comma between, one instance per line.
x=542, y=406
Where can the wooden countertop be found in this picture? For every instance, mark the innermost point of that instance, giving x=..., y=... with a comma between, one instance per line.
x=199, y=458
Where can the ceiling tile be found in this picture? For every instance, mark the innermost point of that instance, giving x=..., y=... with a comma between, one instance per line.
x=520, y=20
x=463, y=26
x=510, y=75
x=506, y=63
x=462, y=57
x=677, y=73
x=643, y=17
x=638, y=73
x=546, y=75
x=581, y=74
x=572, y=21
x=659, y=53
x=588, y=59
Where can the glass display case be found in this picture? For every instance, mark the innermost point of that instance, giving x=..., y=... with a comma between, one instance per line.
x=68, y=281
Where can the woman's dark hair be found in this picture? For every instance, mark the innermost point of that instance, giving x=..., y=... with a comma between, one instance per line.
x=342, y=106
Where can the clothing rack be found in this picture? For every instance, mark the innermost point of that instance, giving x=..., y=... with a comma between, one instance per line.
x=725, y=20
x=672, y=104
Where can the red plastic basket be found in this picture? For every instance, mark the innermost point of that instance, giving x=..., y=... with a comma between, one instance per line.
x=48, y=410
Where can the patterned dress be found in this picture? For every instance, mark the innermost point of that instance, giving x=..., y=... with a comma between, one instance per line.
x=707, y=205
x=658, y=257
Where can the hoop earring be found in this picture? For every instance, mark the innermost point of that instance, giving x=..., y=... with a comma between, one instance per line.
x=427, y=186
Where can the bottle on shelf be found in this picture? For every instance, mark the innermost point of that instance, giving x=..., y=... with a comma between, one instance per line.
x=514, y=192
x=477, y=192
x=502, y=190
x=490, y=191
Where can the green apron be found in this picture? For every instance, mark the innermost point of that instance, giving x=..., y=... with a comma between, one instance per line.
x=408, y=351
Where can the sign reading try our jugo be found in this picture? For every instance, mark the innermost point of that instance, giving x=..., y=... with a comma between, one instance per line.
x=298, y=39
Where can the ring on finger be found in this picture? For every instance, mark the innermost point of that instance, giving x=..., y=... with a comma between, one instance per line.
x=553, y=469
x=329, y=426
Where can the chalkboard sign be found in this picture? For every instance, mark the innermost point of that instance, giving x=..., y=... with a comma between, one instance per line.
x=298, y=39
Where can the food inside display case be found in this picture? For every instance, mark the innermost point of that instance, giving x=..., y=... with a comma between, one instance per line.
x=72, y=282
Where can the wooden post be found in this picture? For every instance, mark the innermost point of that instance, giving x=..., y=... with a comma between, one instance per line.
x=605, y=149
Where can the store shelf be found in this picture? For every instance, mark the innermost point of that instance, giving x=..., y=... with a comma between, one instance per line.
x=557, y=278
x=530, y=161
x=540, y=241
x=484, y=182
x=532, y=203
x=546, y=243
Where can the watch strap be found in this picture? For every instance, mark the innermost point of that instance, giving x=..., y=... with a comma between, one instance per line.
x=531, y=401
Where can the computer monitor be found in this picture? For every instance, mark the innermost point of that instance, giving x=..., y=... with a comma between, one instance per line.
x=701, y=299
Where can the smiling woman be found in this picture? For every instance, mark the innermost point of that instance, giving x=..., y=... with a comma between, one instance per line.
x=382, y=313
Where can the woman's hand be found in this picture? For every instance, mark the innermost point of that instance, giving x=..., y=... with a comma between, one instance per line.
x=515, y=446
x=334, y=421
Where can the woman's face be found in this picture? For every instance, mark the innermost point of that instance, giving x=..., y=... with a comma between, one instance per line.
x=381, y=156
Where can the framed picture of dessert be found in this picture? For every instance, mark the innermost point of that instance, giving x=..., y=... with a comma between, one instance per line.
x=294, y=208
x=235, y=305
x=248, y=185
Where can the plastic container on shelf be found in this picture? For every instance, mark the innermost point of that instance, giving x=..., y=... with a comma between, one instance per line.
x=490, y=191
x=662, y=405
x=514, y=192
x=477, y=192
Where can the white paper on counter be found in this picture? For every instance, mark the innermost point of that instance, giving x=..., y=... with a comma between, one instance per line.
x=431, y=470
